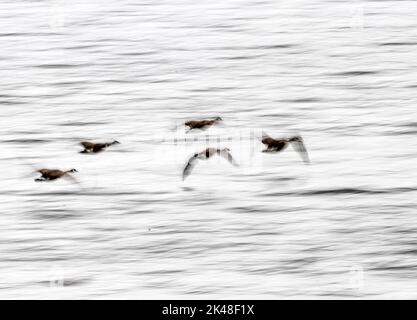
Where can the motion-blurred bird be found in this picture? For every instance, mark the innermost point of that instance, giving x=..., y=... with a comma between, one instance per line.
x=205, y=155
x=276, y=145
x=53, y=174
x=202, y=124
x=96, y=147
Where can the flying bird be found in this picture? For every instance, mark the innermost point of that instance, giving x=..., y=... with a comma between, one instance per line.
x=96, y=147
x=201, y=124
x=276, y=145
x=205, y=155
x=53, y=174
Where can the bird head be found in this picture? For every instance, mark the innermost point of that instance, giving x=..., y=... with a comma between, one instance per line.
x=73, y=170
x=295, y=139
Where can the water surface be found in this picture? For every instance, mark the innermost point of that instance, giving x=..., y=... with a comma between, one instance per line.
x=341, y=74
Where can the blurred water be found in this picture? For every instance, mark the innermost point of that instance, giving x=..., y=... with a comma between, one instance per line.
x=341, y=74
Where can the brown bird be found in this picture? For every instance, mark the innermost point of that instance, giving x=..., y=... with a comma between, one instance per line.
x=201, y=124
x=96, y=147
x=205, y=155
x=276, y=145
x=53, y=174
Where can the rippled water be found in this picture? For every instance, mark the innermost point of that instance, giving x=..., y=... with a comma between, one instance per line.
x=341, y=74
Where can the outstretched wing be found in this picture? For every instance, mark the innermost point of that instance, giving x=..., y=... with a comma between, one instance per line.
x=301, y=149
x=225, y=153
x=190, y=166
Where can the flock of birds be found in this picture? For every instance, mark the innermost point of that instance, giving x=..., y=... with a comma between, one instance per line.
x=272, y=146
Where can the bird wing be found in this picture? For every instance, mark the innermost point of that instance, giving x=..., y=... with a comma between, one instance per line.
x=301, y=149
x=55, y=173
x=190, y=166
x=98, y=147
x=87, y=145
x=228, y=156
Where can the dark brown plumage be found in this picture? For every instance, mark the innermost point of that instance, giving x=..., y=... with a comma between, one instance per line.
x=53, y=174
x=202, y=124
x=276, y=145
x=95, y=147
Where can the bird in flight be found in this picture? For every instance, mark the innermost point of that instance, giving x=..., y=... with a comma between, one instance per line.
x=276, y=145
x=201, y=124
x=53, y=174
x=96, y=147
x=205, y=155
